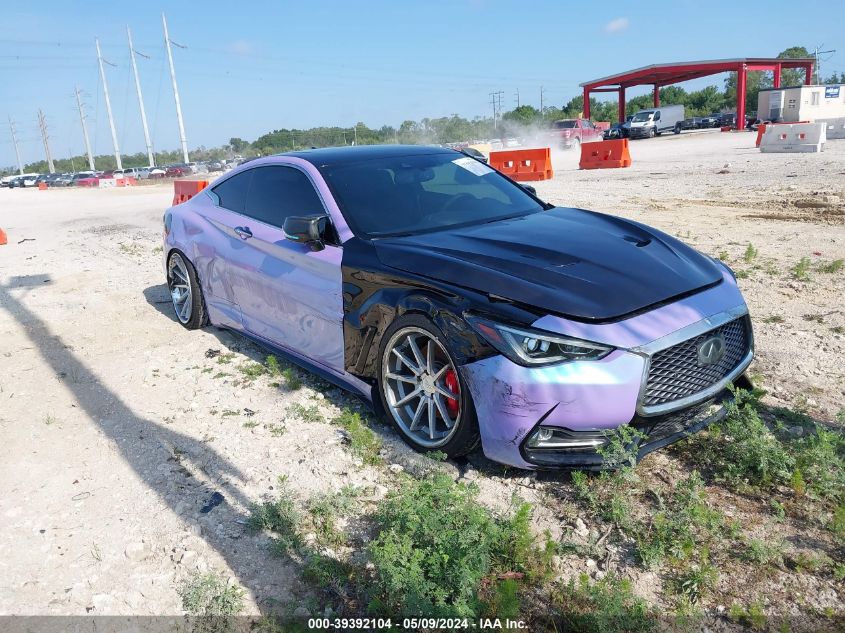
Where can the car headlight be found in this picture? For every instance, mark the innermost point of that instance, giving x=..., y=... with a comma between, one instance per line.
x=526, y=346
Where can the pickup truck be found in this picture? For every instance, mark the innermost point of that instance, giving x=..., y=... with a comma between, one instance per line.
x=573, y=132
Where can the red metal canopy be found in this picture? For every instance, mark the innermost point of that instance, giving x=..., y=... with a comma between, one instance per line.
x=659, y=75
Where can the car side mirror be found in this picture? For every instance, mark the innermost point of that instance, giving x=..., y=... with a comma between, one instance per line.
x=529, y=189
x=308, y=230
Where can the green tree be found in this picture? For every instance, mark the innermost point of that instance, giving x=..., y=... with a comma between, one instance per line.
x=795, y=76
x=238, y=145
x=524, y=115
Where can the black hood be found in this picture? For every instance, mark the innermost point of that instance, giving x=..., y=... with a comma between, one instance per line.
x=577, y=263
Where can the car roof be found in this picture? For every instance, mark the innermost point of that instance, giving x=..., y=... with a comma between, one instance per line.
x=351, y=154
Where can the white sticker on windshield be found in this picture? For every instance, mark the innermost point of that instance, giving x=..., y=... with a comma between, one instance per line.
x=470, y=164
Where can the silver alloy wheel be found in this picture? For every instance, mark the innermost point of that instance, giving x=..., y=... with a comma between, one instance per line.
x=179, y=283
x=415, y=369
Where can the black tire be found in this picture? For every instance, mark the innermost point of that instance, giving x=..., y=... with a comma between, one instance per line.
x=677, y=129
x=197, y=317
x=651, y=132
x=465, y=438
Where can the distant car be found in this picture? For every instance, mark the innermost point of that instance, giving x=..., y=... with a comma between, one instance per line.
x=692, y=123
x=215, y=165
x=616, y=131
x=496, y=143
x=511, y=142
x=28, y=180
x=178, y=171
x=711, y=120
x=62, y=180
x=6, y=181
x=573, y=132
x=155, y=172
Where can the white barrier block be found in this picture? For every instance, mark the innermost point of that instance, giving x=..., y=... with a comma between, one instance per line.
x=110, y=182
x=798, y=137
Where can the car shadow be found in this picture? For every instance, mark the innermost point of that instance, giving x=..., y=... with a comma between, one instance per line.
x=196, y=468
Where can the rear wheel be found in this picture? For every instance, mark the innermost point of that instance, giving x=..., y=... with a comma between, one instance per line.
x=677, y=128
x=185, y=291
x=422, y=391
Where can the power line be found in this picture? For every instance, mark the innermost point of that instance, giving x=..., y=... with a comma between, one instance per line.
x=816, y=54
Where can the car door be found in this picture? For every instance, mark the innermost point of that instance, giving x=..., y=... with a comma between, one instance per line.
x=289, y=295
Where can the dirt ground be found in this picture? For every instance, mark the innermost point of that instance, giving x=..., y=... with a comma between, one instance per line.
x=117, y=425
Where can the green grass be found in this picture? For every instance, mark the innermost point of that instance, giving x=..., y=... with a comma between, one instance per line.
x=251, y=371
x=682, y=528
x=326, y=509
x=832, y=267
x=438, y=552
x=724, y=255
x=276, y=430
x=306, y=414
x=750, y=253
x=753, y=617
x=762, y=552
x=209, y=595
x=775, y=318
x=281, y=518
x=250, y=424
x=606, y=606
x=225, y=359
x=290, y=375
x=694, y=582
x=363, y=442
x=801, y=270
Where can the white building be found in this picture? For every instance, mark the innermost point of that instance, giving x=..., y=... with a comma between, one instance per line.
x=815, y=104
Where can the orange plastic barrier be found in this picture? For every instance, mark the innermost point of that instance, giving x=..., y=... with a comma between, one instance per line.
x=184, y=190
x=524, y=164
x=42, y=186
x=605, y=154
x=602, y=125
x=3, y=238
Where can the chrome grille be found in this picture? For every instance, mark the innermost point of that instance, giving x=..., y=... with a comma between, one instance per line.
x=675, y=372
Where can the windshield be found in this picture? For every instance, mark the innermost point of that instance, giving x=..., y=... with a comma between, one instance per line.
x=639, y=117
x=403, y=195
x=564, y=125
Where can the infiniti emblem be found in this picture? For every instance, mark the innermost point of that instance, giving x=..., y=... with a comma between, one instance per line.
x=712, y=350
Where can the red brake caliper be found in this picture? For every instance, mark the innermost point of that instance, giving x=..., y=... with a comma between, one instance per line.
x=451, y=380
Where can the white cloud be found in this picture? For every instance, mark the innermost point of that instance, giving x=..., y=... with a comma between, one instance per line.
x=617, y=26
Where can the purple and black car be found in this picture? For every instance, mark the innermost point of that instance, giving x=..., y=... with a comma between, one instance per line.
x=459, y=304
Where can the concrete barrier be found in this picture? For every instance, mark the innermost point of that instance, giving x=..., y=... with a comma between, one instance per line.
x=835, y=127
x=800, y=137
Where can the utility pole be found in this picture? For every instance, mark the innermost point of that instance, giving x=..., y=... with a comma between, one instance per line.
x=497, y=107
x=132, y=53
x=100, y=60
x=42, y=123
x=15, y=143
x=85, y=131
x=816, y=54
x=182, y=138
x=517, y=97
x=541, y=100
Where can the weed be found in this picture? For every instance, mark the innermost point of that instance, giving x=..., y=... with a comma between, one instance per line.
x=839, y=572
x=837, y=523
x=812, y=563
x=741, y=274
x=276, y=430
x=326, y=509
x=229, y=412
x=608, y=605
x=753, y=616
x=221, y=374
x=50, y=419
x=750, y=253
x=208, y=594
x=306, y=414
x=437, y=548
x=801, y=270
x=207, y=370
x=292, y=380
x=775, y=318
x=764, y=552
x=363, y=442
x=778, y=510
x=832, y=267
x=96, y=554
x=250, y=424
x=683, y=527
x=281, y=518
x=696, y=581
x=273, y=366
x=723, y=256
x=251, y=371
x=817, y=318
x=838, y=329
x=225, y=359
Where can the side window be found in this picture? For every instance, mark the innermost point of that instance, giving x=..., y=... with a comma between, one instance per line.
x=587, y=124
x=657, y=115
x=278, y=192
x=231, y=193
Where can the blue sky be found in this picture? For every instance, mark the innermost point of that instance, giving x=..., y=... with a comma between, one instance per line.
x=251, y=67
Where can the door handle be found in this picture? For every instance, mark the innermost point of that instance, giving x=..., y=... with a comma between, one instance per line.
x=243, y=232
